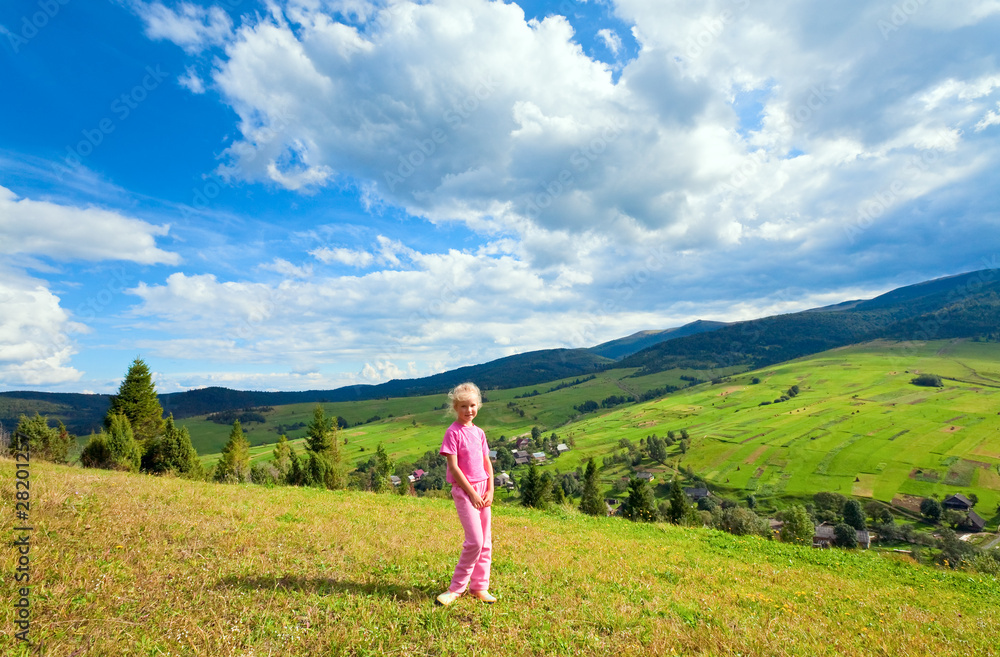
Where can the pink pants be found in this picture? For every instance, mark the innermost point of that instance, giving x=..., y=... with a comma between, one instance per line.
x=473, y=569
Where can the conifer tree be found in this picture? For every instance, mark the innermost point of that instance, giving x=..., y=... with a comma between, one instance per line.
x=137, y=400
x=43, y=442
x=172, y=452
x=678, y=503
x=324, y=465
x=534, y=491
x=640, y=505
x=234, y=466
x=282, y=456
x=591, y=502
x=381, y=482
x=123, y=451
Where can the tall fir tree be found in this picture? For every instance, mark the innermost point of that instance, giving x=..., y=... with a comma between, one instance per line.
x=591, y=502
x=234, y=466
x=137, y=400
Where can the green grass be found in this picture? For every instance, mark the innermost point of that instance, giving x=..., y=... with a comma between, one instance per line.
x=127, y=564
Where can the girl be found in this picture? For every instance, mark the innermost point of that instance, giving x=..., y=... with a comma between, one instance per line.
x=470, y=474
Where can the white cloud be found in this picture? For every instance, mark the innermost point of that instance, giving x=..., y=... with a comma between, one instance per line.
x=35, y=343
x=992, y=117
x=191, y=81
x=508, y=146
x=63, y=232
x=344, y=256
x=189, y=26
x=282, y=266
x=611, y=40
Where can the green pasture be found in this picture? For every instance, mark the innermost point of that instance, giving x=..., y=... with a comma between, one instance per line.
x=858, y=426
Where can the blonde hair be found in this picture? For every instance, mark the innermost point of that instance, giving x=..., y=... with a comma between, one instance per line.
x=464, y=391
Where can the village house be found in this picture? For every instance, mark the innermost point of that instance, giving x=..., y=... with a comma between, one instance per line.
x=562, y=447
x=539, y=457
x=824, y=537
x=958, y=502
x=503, y=480
x=696, y=493
x=973, y=523
x=395, y=480
x=645, y=476
x=417, y=474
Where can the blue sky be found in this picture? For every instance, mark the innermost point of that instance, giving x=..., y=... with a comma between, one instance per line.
x=306, y=194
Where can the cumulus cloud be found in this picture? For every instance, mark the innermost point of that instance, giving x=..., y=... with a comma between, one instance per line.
x=64, y=232
x=752, y=157
x=562, y=150
x=190, y=26
x=35, y=342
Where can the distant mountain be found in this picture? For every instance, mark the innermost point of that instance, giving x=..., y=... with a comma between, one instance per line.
x=963, y=306
x=627, y=346
x=966, y=305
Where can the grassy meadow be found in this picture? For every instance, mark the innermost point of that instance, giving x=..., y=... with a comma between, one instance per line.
x=127, y=564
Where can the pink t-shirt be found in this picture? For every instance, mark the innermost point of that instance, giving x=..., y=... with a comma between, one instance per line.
x=469, y=444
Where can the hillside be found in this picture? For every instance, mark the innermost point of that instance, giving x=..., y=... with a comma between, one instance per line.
x=963, y=306
x=858, y=426
x=130, y=564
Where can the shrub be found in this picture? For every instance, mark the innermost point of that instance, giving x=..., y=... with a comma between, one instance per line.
x=929, y=380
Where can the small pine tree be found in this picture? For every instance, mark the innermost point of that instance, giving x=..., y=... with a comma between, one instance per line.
x=43, y=442
x=172, y=452
x=123, y=450
x=533, y=489
x=234, y=466
x=282, y=456
x=678, y=503
x=591, y=502
x=318, y=433
x=137, y=400
x=381, y=483
x=640, y=505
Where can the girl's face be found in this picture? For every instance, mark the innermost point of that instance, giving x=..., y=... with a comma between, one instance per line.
x=466, y=410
